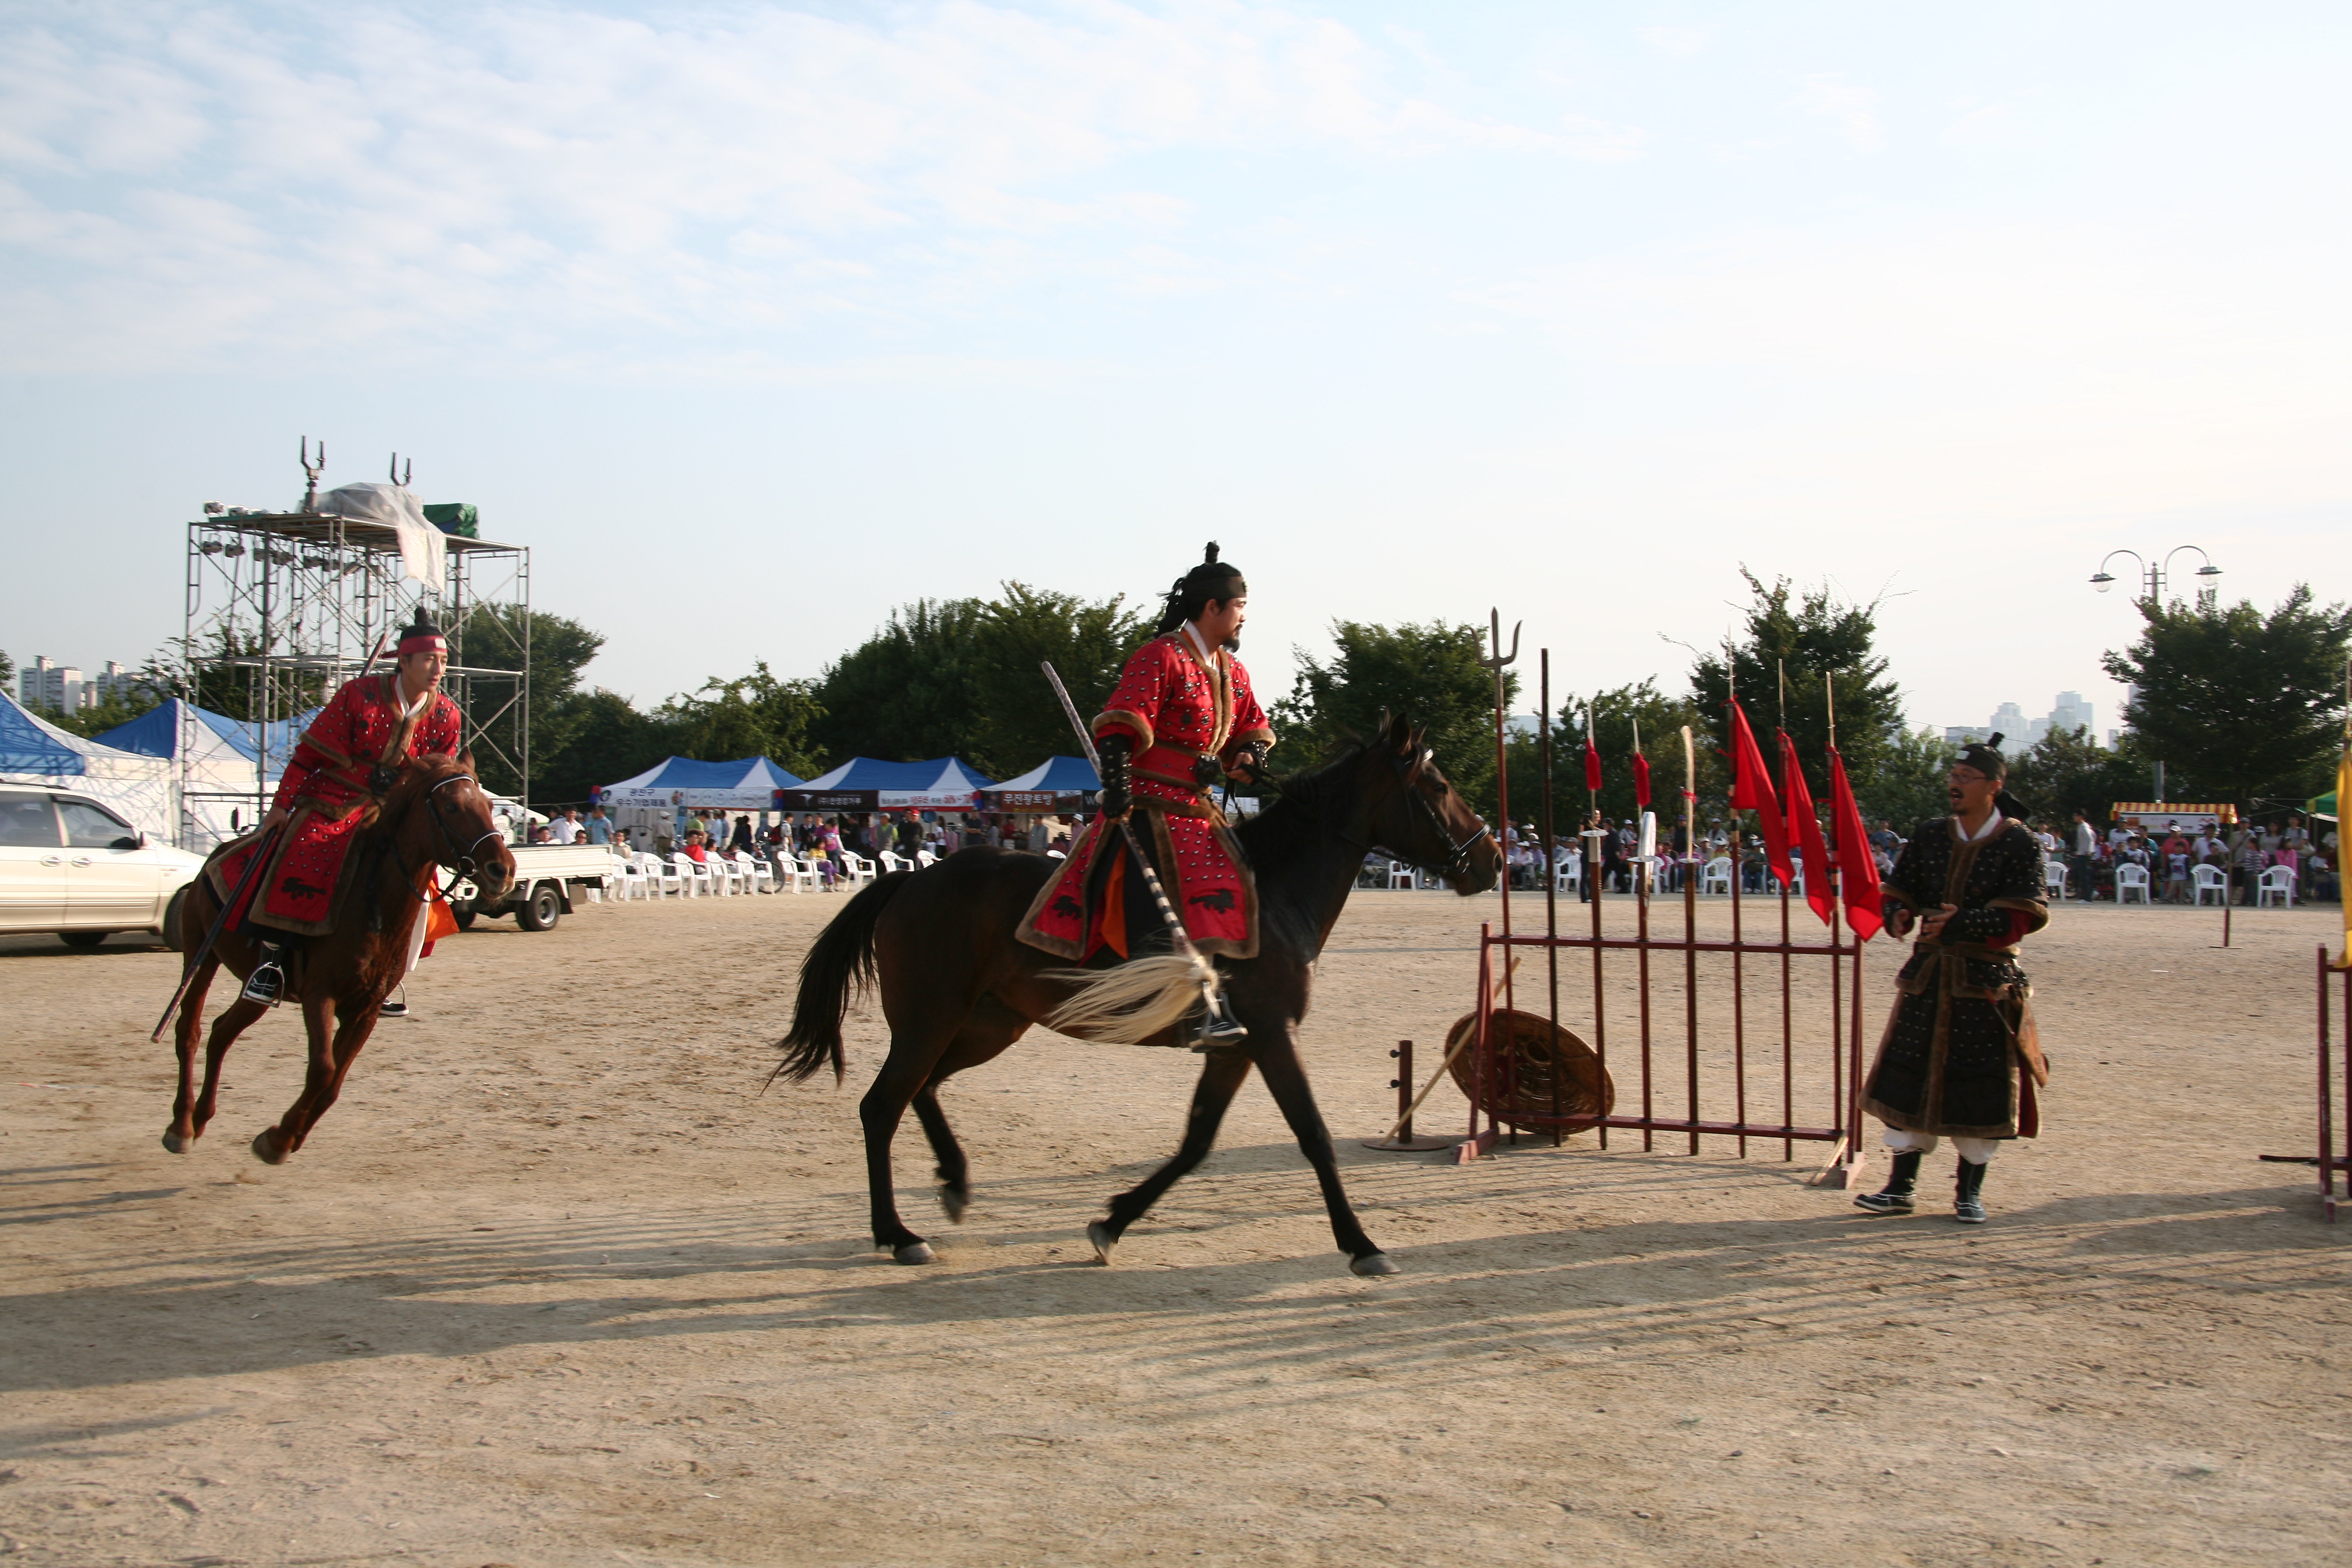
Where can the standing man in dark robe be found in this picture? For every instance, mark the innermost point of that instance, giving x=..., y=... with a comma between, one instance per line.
x=1959, y=1059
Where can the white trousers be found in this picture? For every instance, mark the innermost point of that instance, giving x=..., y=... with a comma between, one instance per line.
x=1974, y=1151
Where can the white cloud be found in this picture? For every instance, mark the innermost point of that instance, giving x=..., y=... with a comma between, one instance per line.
x=184, y=183
x=1678, y=43
x=1843, y=103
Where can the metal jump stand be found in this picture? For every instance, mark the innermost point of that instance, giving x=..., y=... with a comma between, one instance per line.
x=294, y=602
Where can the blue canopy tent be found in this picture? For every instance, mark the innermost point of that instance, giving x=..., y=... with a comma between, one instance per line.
x=748, y=784
x=225, y=778
x=1061, y=785
x=866, y=784
x=36, y=753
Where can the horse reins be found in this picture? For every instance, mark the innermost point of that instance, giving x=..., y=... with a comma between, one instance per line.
x=466, y=866
x=1457, y=859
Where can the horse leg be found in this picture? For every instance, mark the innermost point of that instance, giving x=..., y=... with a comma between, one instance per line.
x=992, y=1028
x=1222, y=1075
x=236, y=1018
x=1285, y=1080
x=350, y=1036
x=183, y=1130
x=902, y=1078
x=272, y=1144
x=953, y=1172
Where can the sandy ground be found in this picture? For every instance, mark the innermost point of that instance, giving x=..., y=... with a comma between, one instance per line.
x=556, y=1284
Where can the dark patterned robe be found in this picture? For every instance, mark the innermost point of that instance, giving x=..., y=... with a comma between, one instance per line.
x=325, y=793
x=1177, y=710
x=1963, y=1023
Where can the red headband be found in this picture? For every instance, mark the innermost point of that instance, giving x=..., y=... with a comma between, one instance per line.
x=423, y=642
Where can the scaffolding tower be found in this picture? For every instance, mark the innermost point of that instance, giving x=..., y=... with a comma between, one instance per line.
x=283, y=608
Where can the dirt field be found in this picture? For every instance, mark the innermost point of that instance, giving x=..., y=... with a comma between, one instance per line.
x=556, y=1285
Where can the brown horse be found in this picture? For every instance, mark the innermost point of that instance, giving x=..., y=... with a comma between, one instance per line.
x=958, y=988
x=434, y=813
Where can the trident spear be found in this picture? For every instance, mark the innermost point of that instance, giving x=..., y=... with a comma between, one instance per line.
x=1183, y=942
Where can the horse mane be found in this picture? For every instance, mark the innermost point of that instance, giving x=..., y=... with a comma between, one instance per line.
x=1293, y=821
x=415, y=776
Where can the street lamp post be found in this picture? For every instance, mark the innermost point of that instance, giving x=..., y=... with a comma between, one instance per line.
x=2155, y=575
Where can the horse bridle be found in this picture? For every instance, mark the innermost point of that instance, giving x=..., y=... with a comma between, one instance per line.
x=466, y=866
x=1457, y=859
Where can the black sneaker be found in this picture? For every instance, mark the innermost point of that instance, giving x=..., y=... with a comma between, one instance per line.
x=1888, y=1202
x=1968, y=1194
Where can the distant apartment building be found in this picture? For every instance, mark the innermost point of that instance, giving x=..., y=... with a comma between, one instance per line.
x=67, y=689
x=2069, y=713
x=41, y=684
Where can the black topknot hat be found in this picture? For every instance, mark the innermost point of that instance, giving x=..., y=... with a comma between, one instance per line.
x=1212, y=579
x=1985, y=757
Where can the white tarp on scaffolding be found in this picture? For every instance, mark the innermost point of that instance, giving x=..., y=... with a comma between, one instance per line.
x=37, y=753
x=424, y=549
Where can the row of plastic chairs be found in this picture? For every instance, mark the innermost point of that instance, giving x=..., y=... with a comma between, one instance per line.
x=2276, y=885
x=649, y=876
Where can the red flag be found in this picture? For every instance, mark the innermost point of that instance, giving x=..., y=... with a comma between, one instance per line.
x=1751, y=790
x=1805, y=830
x=1592, y=766
x=1857, y=866
x=1640, y=782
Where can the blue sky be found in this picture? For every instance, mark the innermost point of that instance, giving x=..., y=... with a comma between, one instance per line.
x=755, y=321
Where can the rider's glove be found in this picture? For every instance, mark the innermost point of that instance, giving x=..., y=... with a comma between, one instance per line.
x=1116, y=751
x=1249, y=762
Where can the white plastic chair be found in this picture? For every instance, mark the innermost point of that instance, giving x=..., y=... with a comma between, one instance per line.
x=631, y=879
x=2053, y=877
x=924, y=857
x=2131, y=879
x=754, y=873
x=661, y=878
x=861, y=870
x=2209, y=879
x=2279, y=883
x=693, y=876
x=729, y=875
x=1715, y=877
x=1400, y=876
x=893, y=861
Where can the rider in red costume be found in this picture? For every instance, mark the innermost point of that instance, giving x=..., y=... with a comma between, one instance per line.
x=344, y=762
x=1181, y=718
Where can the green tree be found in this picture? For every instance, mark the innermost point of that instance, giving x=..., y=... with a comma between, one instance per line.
x=604, y=739
x=1430, y=674
x=555, y=648
x=906, y=692
x=960, y=677
x=753, y=715
x=2067, y=771
x=115, y=708
x=1907, y=786
x=2236, y=703
x=1819, y=643
x=1017, y=720
x=7, y=671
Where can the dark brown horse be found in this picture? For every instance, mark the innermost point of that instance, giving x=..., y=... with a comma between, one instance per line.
x=434, y=814
x=957, y=989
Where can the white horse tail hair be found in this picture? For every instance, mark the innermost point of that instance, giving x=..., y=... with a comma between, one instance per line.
x=1127, y=1004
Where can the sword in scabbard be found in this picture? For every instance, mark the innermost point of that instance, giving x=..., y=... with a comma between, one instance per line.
x=1183, y=942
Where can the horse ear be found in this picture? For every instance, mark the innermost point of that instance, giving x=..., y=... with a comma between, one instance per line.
x=465, y=760
x=1420, y=738
x=1407, y=738
x=1385, y=721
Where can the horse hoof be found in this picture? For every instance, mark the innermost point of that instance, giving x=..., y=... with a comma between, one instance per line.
x=265, y=1148
x=175, y=1144
x=913, y=1252
x=1099, y=1234
x=1373, y=1264
x=954, y=1200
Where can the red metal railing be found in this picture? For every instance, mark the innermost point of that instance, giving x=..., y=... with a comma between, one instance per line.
x=2334, y=1067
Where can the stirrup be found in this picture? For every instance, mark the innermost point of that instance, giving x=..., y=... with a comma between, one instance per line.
x=1219, y=1031
x=266, y=985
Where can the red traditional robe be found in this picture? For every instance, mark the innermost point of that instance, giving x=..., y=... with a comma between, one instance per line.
x=1179, y=708
x=324, y=789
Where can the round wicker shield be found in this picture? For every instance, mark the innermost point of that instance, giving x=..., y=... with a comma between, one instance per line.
x=1533, y=1057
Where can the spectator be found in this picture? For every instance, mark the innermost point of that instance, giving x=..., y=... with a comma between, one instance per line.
x=742, y=839
x=2084, y=857
x=600, y=826
x=2176, y=870
x=694, y=850
x=565, y=829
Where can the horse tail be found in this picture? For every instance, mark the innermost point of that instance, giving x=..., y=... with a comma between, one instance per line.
x=839, y=967
x=1127, y=1004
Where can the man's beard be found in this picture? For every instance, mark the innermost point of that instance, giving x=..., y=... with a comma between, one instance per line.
x=1233, y=643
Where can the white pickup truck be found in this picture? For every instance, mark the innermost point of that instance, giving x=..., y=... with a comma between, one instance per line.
x=545, y=877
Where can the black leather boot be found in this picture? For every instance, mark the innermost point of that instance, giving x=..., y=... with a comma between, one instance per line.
x=1967, y=1200
x=267, y=984
x=1895, y=1197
